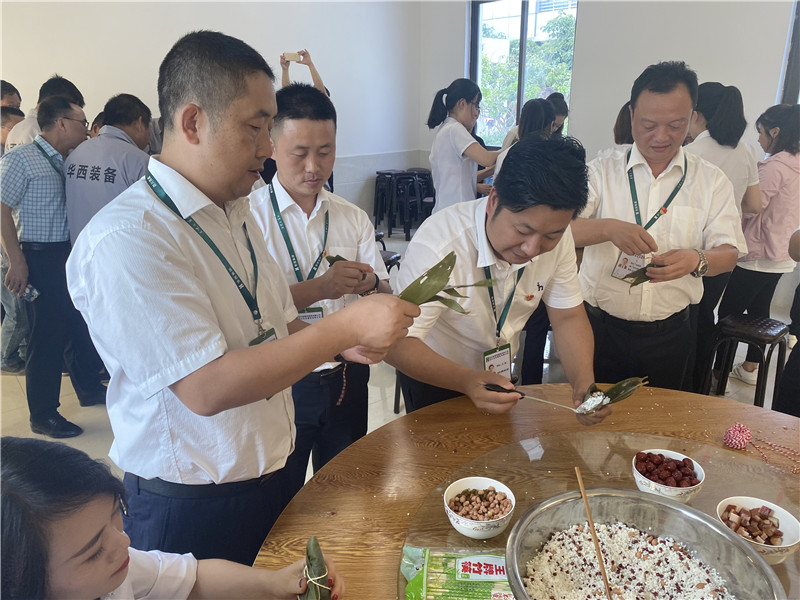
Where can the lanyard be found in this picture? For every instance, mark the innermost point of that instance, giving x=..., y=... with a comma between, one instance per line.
x=282, y=226
x=506, y=308
x=49, y=159
x=252, y=303
x=663, y=209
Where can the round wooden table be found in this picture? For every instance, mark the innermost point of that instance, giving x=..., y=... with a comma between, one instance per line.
x=381, y=491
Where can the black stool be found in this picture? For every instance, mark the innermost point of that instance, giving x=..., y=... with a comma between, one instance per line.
x=756, y=331
x=383, y=187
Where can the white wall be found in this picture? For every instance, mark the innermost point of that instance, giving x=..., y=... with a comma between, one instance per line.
x=736, y=43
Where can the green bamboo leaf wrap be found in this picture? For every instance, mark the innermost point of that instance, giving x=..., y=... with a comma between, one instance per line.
x=317, y=573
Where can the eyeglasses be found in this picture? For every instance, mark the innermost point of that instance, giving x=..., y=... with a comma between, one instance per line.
x=82, y=121
x=477, y=105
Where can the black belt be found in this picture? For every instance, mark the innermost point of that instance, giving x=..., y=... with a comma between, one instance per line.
x=208, y=490
x=670, y=323
x=45, y=246
x=317, y=376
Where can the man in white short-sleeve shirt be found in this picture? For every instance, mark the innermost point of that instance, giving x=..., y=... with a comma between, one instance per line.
x=673, y=216
x=195, y=321
x=520, y=238
x=303, y=225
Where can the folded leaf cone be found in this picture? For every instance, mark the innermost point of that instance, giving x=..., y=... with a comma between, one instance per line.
x=317, y=573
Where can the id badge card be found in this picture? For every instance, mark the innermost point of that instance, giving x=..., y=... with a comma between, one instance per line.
x=498, y=360
x=266, y=336
x=626, y=265
x=310, y=315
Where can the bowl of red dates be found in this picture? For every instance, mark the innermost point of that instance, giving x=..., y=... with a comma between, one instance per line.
x=667, y=473
x=771, y=530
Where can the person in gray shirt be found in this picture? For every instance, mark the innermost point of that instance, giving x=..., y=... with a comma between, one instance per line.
x=103, y=167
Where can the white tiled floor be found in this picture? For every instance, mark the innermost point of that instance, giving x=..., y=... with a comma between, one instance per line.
x=96, y=439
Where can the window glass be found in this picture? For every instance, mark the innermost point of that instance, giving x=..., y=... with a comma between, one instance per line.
x=545, y=38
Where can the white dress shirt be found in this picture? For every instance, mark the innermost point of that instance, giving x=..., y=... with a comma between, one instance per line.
x=550, y=277
x=25, y=131
x=739, y=164
x=455, y=175
x=702, y=215
x=156, y=575
x=160, y=305
x=350, y=235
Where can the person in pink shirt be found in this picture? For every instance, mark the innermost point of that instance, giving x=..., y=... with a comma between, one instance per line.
x=752, y=283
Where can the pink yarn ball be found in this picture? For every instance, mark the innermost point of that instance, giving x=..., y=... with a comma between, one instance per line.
x=737, y=436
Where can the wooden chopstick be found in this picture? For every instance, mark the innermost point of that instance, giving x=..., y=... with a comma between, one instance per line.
x=594, y=533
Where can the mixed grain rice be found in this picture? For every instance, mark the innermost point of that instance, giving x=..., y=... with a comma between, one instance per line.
x=639, y=567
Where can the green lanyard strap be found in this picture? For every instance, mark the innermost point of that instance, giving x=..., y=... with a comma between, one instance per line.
x=50, y=160
x=252, y=303
x=282, y=226
x=500, y=322
x=663, y=209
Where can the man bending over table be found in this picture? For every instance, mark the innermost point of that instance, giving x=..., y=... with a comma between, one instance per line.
x=519, y=236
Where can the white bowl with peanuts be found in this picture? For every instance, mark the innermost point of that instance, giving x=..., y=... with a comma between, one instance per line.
x=774, y=551
x=479, y=507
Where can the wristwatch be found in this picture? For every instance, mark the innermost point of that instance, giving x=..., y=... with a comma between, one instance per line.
x=702, y=268
x=373, y=290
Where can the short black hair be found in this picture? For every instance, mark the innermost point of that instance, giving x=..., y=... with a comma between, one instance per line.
x=549, y=172
x=42, y=482
x=59, y=86
x=303, y=101
x=51, y=109
x=208, y=68
x=124, y=109
x=100, y=119
x=6, y=112
x=664, y=77
x=7, y=89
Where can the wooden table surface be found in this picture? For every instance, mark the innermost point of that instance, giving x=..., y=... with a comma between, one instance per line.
x=361, y=504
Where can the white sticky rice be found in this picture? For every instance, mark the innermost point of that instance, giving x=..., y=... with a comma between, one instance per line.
x=639, y=566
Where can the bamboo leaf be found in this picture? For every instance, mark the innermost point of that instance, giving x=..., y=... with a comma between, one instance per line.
x=450, y=303
x=431, y=282
x=334, y=259
x=452, y=291
x=317, y=573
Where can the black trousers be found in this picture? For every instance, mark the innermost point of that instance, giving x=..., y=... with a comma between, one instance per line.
x=751, y=292
x=703, y=313
x=660, y=350
x=323, y=428
x=417, y=394
x=58, y=334
x=536, y=328
x=788, y=398
x=230, y=524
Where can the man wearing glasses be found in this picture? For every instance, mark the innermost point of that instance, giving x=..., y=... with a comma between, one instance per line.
x=36, y=238
x=25, y=131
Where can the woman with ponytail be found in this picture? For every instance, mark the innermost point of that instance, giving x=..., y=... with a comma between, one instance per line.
x=717, y=126
x=455, y=154
x=752, y=283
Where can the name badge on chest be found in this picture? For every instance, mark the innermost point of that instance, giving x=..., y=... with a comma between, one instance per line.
x=498, y=360
x=310, y=315
x=626, y=265
x=264, y=336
